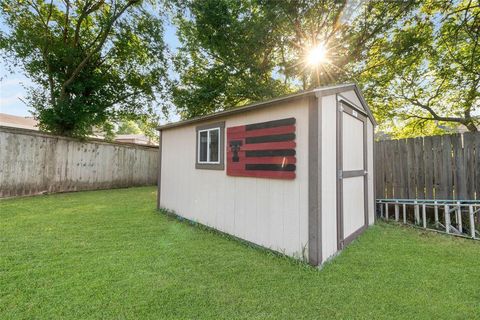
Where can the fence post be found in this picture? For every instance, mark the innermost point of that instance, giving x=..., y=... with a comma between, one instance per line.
x=472, y=221
x=417, y=213
x=424, y=216
x=459, y=217
x=396, y=211
x=447, y=218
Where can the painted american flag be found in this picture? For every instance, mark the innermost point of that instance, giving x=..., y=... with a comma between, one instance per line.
x=262, y=150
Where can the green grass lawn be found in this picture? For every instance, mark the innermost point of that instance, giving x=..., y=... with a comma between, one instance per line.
x=110, y=254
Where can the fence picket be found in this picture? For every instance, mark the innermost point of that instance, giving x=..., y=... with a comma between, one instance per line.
x=379, y=169
x=396, y=173
x=404, y=173
x=428, y=167
x=412, y=194
x=389, y=172
x=419, y=168
x=459, y=176
x=440, y=190
x=469, y=151
x=477, y=167
x=447, y=166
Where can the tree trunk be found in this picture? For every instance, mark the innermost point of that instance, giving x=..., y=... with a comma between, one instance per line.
x=471, y=126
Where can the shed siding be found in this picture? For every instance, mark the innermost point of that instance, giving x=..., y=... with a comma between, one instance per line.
x=351, y=96
x=328, y=167
x=269, y=212
x=371, y=172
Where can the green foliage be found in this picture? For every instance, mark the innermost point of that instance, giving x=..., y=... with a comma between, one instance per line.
x=235, y=52
x=98, y=63
x=411, y=128
x=94, y=62
x=144, y=124
x=418, y=61
x=427, y=70
x=128, y=127
x=225, y=59
x=110, y=255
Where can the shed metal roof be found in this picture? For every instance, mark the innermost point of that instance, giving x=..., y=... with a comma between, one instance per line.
x=321, y=91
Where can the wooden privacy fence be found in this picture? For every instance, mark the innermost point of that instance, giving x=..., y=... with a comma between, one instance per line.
x=33, y=162
x=439, y=167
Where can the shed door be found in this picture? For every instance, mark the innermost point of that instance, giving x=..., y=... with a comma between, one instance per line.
x=352, y=216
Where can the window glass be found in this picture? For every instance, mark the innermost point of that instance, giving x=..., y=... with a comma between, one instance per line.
x=214, y=145
x=202, y=145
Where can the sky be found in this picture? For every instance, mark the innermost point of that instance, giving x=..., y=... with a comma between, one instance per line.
x=13, y=85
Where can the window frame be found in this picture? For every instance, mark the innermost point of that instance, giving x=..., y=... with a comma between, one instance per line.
x=208, y=161
x=211, y=165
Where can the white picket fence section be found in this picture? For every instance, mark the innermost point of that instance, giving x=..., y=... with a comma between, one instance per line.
x=454, y=217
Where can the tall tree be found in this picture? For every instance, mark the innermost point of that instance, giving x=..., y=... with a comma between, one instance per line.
x=235, y=51
x=94, y=61
x=427, y=70
x=226, y=57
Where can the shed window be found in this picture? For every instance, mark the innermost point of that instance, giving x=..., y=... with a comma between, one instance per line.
x=208, y=148
x=203, y=144
x=210, y=145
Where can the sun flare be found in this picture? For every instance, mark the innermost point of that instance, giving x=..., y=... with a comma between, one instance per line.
x=317, y=55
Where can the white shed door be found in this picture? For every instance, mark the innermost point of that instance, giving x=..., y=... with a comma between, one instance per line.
x=352, y=175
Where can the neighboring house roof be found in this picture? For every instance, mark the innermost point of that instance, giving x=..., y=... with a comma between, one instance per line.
x=327, y=90
x=134, y=138
x=458, y=129
x=10, y=120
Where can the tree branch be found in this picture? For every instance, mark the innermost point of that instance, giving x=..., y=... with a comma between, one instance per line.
x=463, y=9
x=85, y=12
x=67, y=21
x=45, y=49
x=99, y=46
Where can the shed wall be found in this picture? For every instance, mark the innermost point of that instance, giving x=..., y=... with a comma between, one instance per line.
x=328, y=167
x=328, y=170
x=351, y=96
x=269, y=212
x=371, y=173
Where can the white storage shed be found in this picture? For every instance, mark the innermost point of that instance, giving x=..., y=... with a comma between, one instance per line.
x=292, y=174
